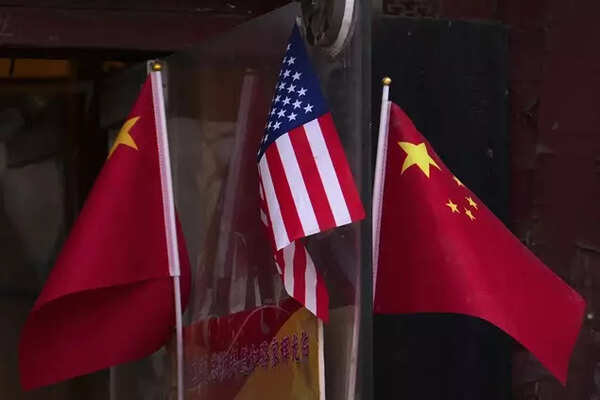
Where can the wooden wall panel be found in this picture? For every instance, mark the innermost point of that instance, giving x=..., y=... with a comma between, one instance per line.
x=127, y=24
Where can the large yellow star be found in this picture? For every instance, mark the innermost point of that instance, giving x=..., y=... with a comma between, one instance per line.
x=124, y=137
x=416, y=154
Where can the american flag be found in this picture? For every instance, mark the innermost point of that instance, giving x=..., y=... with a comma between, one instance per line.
x=307, y=183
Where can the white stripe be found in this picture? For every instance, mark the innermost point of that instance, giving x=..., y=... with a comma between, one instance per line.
x=310, y=282
x=329, y=178
x=288, y=268
x=281, y=236
x=302, y=202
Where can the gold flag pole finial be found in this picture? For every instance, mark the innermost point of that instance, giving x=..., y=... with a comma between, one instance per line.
x=157, y=66
x=387, y=81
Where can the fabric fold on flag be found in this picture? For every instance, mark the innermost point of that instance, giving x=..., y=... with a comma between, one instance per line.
x=109, y=298
x=443, y=251
x=301, y=279
x=306, y=184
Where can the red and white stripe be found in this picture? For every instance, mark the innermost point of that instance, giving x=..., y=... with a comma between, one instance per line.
x=308, y=184
x=300, y=278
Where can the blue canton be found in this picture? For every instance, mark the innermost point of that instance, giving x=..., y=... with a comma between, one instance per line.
x=298, y=98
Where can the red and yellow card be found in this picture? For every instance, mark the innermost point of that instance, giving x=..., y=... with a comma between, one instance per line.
x=270, y=352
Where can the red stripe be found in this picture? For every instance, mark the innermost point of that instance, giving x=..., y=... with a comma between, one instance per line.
x=342, y=169
x=312, y=179
x=322, y=298
x=289, y=214
x=299, y=269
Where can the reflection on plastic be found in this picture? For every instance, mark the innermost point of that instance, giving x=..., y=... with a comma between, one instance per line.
x=220, y=95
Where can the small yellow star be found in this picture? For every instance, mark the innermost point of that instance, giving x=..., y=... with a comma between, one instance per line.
x=469, y=214
x=458, y=182
x=471, y=202
x=124, y=137
x=452, y=206
x=416, y=154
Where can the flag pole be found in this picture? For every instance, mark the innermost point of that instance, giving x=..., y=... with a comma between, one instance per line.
x=168, y=211
x=382, y=144
x=321, y=355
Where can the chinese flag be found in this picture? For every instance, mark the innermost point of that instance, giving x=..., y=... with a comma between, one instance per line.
x=109, y=298
x=442, y=251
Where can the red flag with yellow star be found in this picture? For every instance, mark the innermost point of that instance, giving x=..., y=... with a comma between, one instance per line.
x=442, y=251
x=109, y=298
